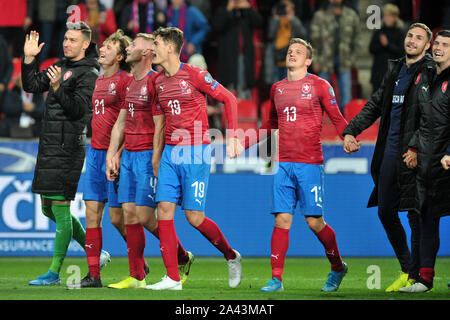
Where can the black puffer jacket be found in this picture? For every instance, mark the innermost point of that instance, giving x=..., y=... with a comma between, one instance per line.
x=380, y=105
x=62, y=142
x=432, y=142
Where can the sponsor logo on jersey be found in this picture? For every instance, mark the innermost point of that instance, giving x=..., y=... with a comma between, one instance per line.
x=444, y=86
x=214, y=85
x=398, y=99
x=67, y=75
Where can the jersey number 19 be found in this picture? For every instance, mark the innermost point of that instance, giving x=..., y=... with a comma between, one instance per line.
x=174, y=107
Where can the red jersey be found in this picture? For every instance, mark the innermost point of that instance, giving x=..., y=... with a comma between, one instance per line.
x=181, y=98
x=139, y=127
x=297, y=111
x=107, y=100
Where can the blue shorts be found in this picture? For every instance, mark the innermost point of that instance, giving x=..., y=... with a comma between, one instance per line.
x=183, y=176
x=96, y=186
x=298, y=182
x=137, y=182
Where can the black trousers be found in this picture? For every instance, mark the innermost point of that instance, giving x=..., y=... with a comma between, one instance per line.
x=429, y=239
x=388, y=199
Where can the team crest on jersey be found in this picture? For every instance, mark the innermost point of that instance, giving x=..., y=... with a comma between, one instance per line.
x=444, y=86
x=184, y=85
x=306, y=91
x=111, y=88
x=67, y=75
x=143, y=95
x=306, y=88
x=418, y=79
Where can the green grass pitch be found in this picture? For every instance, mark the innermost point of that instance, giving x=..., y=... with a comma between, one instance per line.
x=208, y=280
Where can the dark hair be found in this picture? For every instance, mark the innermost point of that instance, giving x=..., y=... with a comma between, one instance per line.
x=424, y=27
x=124, y=41
x=81, y=26
x=171, y=34
x=444, y=33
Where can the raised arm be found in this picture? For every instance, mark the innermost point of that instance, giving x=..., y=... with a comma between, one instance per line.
x=32, y=80
x=205, y=83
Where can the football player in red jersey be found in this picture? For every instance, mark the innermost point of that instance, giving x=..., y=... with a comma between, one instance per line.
x=297, y=105
x=107, y=100
x=132, y=145
x=183, y=163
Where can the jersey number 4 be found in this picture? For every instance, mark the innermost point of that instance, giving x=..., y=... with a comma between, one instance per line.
x=291, y=113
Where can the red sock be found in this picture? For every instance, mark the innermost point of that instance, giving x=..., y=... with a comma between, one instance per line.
x=183, y=256
x=168, y=245
x=427, y=274
x=211, y=231
x=279, y=246
x=136, y=245
x=94, y=243
x=328, y=238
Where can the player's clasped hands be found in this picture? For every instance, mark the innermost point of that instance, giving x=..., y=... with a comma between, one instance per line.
x=351, y=144
x=410, y=158
x=54, y=74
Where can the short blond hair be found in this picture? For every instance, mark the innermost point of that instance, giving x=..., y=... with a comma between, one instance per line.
x=308, y=46
x=391, y=9
x=146, y=36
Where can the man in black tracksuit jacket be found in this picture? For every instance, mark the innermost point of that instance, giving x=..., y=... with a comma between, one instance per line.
x=62, y=142
x=432, y=142
x=397, y=104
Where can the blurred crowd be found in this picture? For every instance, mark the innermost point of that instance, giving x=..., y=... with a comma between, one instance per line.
x=242, y=43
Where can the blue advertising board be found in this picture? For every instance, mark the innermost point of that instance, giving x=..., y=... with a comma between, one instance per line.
x=238, y=202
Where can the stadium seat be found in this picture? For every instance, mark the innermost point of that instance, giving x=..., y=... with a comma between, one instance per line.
x=265, y=109
x=329, y=133
x=47, y=63
x=17, y=63
x=247, y=110
x=247, y=114
x=351, y=110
